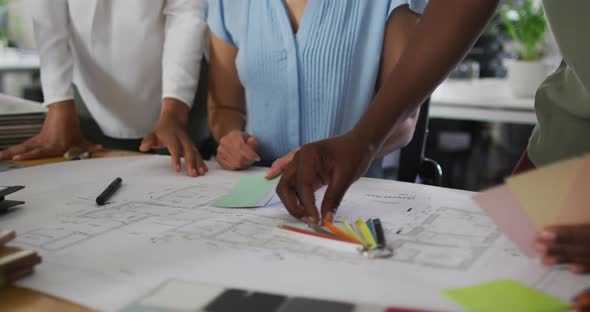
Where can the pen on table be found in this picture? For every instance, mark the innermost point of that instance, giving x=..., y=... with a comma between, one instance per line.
x=379, y=233
x=109, y=191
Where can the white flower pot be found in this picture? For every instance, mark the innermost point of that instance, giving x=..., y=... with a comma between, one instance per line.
x=526, y=77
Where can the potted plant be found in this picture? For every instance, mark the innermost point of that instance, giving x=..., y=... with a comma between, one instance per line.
x=526, y=24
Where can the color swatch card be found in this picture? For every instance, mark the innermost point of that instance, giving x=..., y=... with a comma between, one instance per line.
x=505, y=296
x=251, y=191
x=181, y=296
x=526, y=203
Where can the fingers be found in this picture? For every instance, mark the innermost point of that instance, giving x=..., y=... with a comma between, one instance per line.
x=576, y=234
x=306, y=184
x=175, y=150
x=192, y=158
x=287, y=194
x=148, y=142
x=12, y=151
x=253, y=142
x=279, y=165
x=565, y=245
x=237, y=151
x=34, y=153
x=337, y=186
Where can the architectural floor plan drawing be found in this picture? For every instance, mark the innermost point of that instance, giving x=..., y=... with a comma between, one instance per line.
x=160, y=226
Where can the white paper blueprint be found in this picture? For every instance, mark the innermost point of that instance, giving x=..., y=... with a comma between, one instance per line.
x=158, y=226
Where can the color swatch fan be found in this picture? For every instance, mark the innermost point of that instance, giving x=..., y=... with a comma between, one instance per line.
x=526, y=203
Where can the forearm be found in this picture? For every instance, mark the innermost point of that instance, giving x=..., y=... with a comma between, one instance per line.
x=175, y=109
x=223, y=120
x=452, y=24
x=401, y=137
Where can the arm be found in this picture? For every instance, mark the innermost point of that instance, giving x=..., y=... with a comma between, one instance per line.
x=399, y=26
x=61, y=129
x=226, y=100
x=398, y=31
x=183, y=49
x=51, y=24
x=440, y=40
x=227, y=109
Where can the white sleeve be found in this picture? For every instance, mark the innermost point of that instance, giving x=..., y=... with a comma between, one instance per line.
x=183, y=48
x=52, y=32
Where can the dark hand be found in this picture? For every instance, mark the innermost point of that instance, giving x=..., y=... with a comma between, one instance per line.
x=566, y=245
x=336, y=162
x=171, y=133
x=60, y=132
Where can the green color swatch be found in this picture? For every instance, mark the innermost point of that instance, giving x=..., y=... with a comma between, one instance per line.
x=506, y=296
x=250, y=191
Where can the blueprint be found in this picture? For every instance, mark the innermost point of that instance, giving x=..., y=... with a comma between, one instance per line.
x=160, y=225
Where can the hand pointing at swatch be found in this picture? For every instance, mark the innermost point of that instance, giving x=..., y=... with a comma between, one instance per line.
x=338, y=162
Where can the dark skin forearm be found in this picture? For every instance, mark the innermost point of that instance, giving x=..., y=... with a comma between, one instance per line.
x=444, y=35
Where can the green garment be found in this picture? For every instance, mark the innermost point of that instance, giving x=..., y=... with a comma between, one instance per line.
x=562, y=102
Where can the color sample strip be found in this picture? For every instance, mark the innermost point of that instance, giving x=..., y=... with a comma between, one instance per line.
x=343, y=234
x=372, y=229
x=320, y=230
x=250, y=191
x=379, y=234
x=320, y=240
x=366, y=233
x=313, y=305
x=350, y=230
x=180, y=296
x=541, y=191
x=500, y=204
x=504, y=295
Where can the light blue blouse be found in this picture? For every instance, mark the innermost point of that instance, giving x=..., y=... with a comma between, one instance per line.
x=306, y=86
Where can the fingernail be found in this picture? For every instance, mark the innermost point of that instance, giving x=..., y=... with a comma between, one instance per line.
x=549, y=261
x=177, y=168
x=194, y=171
x=548, y=235
x=305, y=219
x=540, y=247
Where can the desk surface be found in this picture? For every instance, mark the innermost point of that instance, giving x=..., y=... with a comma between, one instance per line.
x=21, y=299
x=488, y=100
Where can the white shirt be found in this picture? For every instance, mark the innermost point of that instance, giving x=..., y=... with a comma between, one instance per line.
x=124, y=56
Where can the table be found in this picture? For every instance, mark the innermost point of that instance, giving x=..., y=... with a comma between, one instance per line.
x=487, y=100
x=21, y=299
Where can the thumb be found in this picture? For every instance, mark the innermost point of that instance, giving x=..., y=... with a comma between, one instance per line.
x=337, y=186
x=148, y=142
x=253, y=142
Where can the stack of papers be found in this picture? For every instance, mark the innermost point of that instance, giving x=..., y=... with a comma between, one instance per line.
x=19, y=120
x=553, y=195
x=15, y=263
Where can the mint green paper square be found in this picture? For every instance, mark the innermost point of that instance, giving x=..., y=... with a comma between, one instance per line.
x=505, y=296
x=247, y=192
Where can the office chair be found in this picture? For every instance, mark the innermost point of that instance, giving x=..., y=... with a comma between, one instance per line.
x=414, y=167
